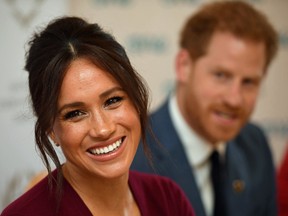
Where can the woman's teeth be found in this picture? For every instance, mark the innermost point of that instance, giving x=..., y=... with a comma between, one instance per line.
x=106, y=149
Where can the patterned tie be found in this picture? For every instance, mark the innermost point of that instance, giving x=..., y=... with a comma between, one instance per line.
x=218, y=181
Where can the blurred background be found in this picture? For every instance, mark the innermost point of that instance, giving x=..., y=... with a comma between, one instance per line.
x=149, y=31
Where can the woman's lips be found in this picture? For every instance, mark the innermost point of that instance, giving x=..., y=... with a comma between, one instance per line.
x=106, y=149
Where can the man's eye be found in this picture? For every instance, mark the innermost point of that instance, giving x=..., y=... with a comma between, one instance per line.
x=73, y=114
x=250, y=82
x=220, y=75
x=112, y=101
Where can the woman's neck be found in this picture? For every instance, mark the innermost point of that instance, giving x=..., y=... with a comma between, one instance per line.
x=104, y=196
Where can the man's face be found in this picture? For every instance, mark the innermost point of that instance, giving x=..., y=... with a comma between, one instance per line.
x=221, y=87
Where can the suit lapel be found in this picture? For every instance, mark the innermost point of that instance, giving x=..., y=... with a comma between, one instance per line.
x=238, y=181
x=174, y=160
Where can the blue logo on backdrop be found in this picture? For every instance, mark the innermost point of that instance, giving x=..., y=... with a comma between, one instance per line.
x=139, y=44
x=253, y=1
x=112, y=2
x=180, y=1
x=283, y=39
x=174, y=2
x=275, y=127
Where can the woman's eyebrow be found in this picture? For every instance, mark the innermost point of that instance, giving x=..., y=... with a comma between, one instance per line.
x=70, y=105
x=109, y=91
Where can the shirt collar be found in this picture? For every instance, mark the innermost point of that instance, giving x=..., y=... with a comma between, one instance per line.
x=197, y=149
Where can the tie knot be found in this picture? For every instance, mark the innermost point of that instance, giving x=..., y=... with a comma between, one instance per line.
x=217, y=166
x=215, y=156
x=215, y=161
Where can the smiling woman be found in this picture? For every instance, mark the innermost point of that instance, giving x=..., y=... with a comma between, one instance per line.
x=96, y=123
x=92, y=104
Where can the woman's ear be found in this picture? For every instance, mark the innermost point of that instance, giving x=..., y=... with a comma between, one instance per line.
x=183, y=65
x=53, y=138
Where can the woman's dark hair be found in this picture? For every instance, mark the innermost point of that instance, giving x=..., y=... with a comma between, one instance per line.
x=52, y=51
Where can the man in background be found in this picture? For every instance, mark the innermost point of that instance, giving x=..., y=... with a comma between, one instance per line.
x=207, y=145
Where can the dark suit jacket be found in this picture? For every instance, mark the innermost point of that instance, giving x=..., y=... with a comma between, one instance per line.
x=250, y=183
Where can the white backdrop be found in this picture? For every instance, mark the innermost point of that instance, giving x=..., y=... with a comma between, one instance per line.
x=149, y=30
x=18, y=158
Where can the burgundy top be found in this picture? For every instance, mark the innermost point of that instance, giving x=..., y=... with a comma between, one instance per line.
x=282, y=181
x=155, y=196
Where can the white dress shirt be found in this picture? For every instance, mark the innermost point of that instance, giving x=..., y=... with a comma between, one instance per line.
x=198, y=152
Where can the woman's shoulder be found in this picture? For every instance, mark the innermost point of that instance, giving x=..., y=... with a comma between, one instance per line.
x=152, y=183
x=148, y=180
x=152, y=191
x=44, y=199
x=31, y=202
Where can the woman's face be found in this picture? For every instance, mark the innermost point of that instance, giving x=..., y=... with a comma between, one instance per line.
x=97, y=126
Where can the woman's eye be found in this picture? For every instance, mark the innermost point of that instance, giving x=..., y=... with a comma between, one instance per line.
x=112, y=101
x=73, y=114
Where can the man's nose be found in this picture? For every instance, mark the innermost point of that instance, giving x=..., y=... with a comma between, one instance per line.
x=234, y=95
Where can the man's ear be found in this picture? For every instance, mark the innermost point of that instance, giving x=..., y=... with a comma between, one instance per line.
x=183, y=65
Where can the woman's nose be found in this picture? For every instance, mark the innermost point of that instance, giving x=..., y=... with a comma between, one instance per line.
x=101, y=125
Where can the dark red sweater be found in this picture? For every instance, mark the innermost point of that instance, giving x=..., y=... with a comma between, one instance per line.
x=155, y=196
x=282, y=183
